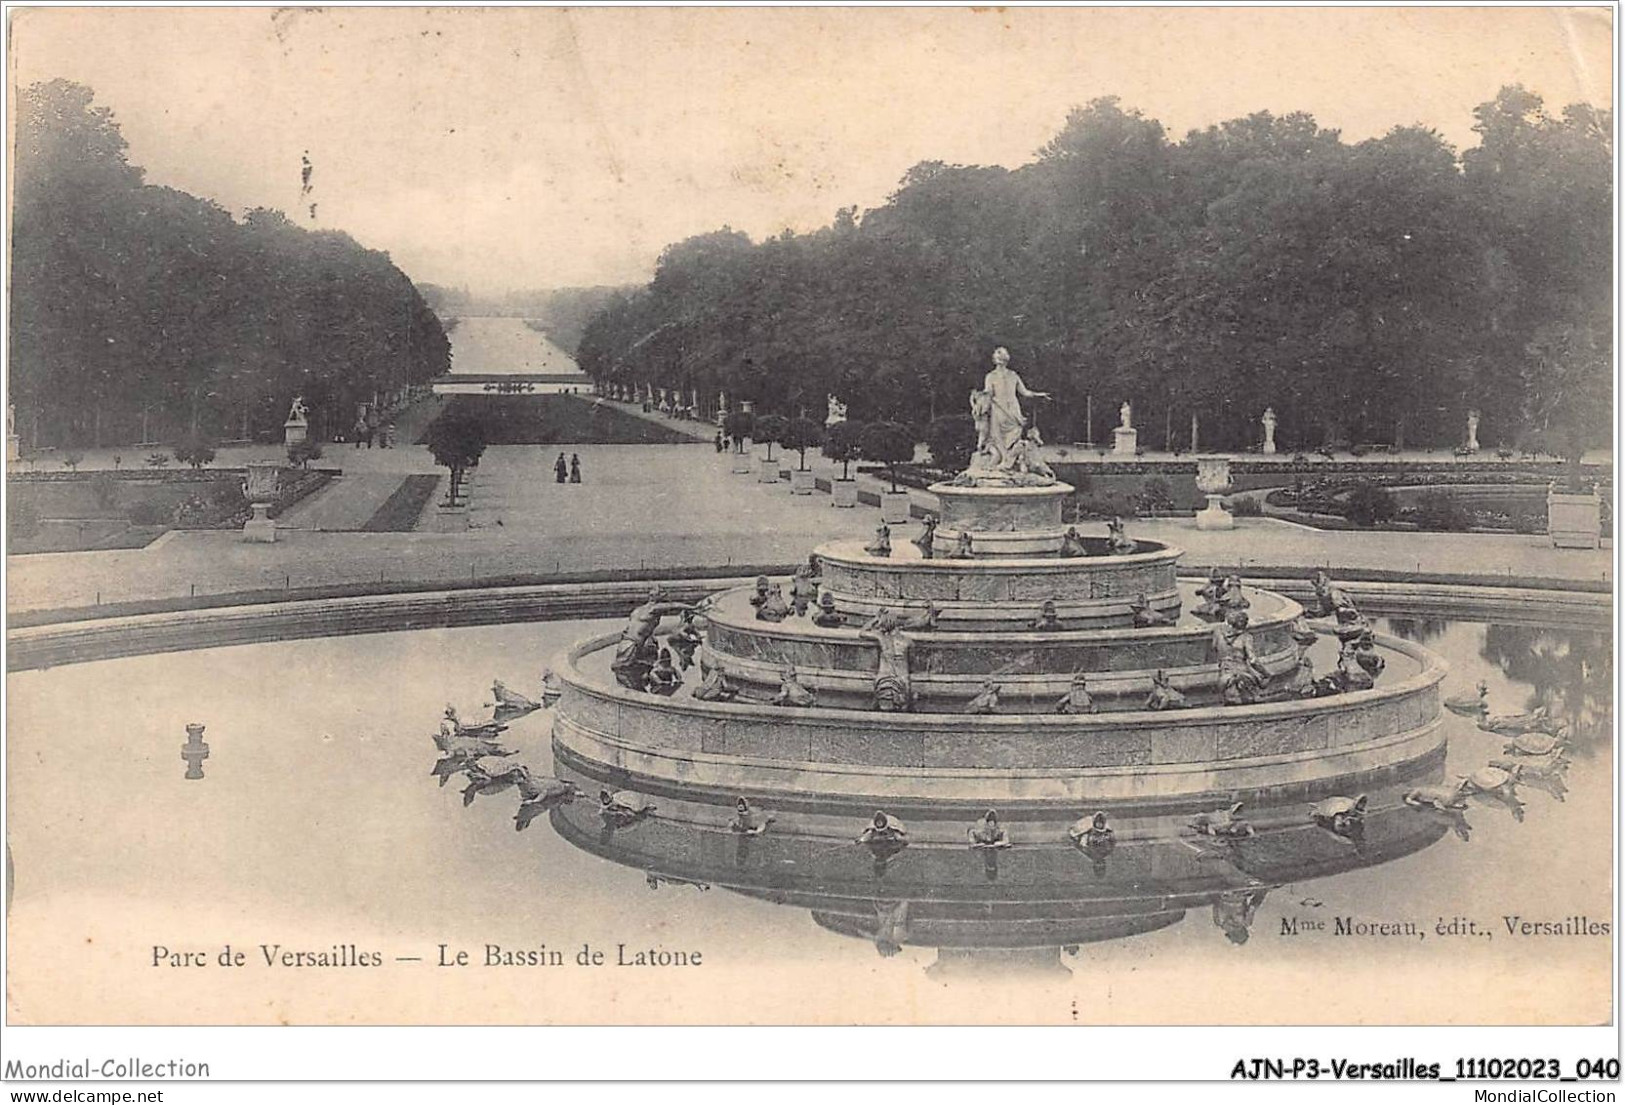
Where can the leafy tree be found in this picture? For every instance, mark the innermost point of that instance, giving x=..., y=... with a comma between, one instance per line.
x=888, y=443
x=457, y=443
x=801, y=434
x=951, y=439
x=303, y=452
x=143, y=313
x=1371, y=291
x=195, y=451
x=72, y=459
x=843, y=443
x=1369, y=503
x=770, y=428
x=739, y=425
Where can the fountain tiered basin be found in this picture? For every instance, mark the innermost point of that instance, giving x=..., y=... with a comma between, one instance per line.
x=990, y=626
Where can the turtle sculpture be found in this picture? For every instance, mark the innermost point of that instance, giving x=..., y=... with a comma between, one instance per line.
x=508, y=704
x=1553, y=763
x=1516, y=725
x=1545, y=773
x=1091, y=832
x=1439, y=796
x=748, y=820
x=481, y=781
x=1470, y=705
x=470, y=748
x=455, y=762
x=1339, y=814
x=988, y=833
x=540, y=793
x=624, y=806
x=486, y=730
x=1536, y=744
x=1497, y=785
x=1226, y=823
x=1492, y=780
x=545, y=788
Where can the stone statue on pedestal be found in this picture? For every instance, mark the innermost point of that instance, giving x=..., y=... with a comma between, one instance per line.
x=1269, y=430
x=297, y=428
x=1004, y=451
x=1472, y=431
x=837, y=412
x=1125, y=438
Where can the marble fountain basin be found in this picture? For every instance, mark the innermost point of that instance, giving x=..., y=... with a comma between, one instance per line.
x=1116, y=759
x=1033, y=668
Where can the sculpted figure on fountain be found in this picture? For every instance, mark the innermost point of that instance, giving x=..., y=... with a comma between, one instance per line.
x=1006, y=442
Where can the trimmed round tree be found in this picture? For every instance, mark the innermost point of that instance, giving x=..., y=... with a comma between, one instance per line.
x=195, y=451
x=303, y=452
x=889, y=443
x=952, y=440
x=457, y=442
x=739, y=425
x=770, y=430
x=801, y=434
x=843, y=443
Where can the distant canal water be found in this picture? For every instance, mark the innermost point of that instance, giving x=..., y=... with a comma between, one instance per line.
x=319, y=829
x=505, y=346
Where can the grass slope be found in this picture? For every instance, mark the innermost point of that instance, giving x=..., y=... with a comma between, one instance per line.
x=399, y=513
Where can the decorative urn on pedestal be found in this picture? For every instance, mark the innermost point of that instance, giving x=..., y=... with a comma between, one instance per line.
x=260, y=490
x=1213, y=480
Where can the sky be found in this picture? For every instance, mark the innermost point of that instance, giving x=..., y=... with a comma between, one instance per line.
x=509, y=148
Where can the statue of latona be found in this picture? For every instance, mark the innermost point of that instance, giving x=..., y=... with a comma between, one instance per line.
x=1004, y=449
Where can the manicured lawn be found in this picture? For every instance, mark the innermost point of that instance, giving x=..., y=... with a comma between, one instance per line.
x=399, y=513
x=558, y=420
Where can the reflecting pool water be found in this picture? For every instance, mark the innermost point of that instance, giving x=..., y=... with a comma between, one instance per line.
x=321, y=842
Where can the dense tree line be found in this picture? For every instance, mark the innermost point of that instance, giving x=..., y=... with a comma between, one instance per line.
x=1369, y=292
x=144, y=312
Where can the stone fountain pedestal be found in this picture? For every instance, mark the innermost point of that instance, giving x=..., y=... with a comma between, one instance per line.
x=1213, y=479
x=260, y=529
x=1214, y=515
x=1007, y=521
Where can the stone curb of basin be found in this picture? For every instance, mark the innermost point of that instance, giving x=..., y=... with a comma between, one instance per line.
x=82, y=641
x=44, y=646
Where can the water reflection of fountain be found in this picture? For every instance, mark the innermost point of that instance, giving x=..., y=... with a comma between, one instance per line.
x=1010, y=911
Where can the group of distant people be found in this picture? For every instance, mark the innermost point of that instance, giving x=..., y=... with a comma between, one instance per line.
x=367, y=431
x=567, y=472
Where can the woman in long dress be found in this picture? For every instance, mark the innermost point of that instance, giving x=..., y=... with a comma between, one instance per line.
x=1005, y=390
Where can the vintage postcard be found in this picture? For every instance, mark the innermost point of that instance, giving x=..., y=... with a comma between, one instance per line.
x=811, y=516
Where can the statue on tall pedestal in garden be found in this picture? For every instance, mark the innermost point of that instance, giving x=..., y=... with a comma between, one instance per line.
x=1005, y=438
